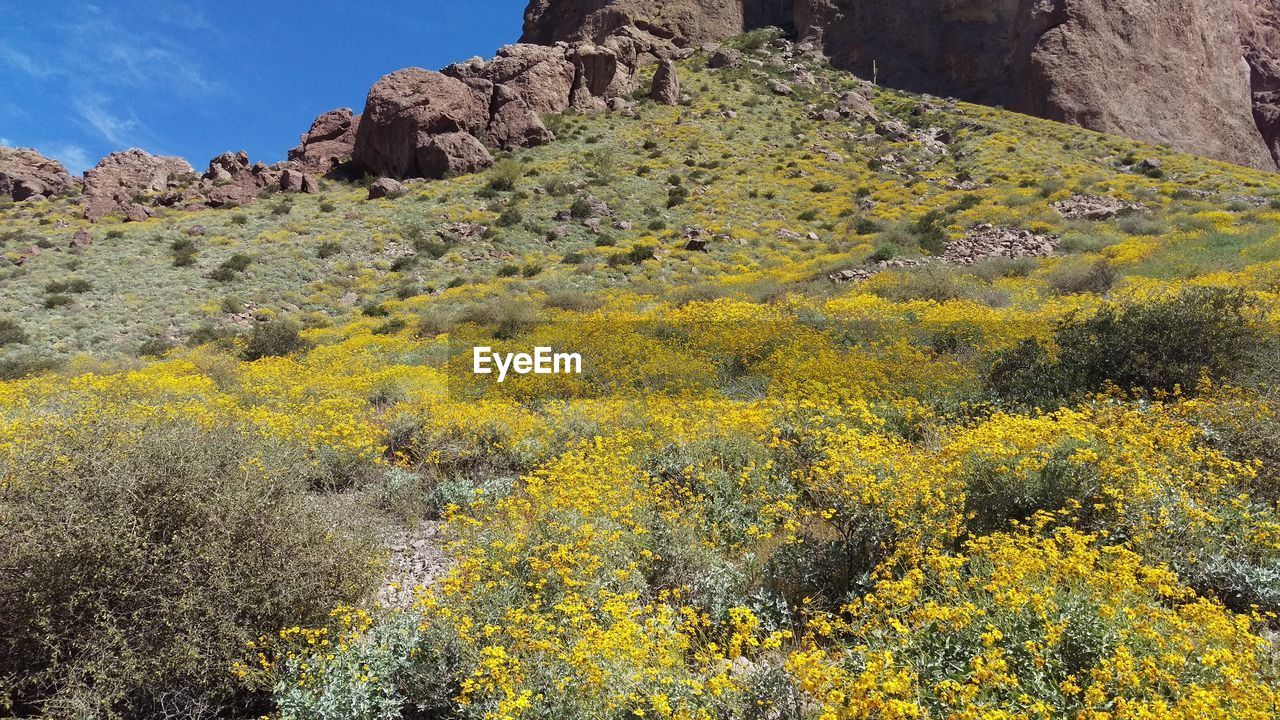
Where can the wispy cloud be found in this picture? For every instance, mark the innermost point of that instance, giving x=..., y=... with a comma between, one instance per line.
x=6, y=142
x=24, y=63
x=118, y=130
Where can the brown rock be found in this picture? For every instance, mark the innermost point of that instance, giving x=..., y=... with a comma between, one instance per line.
x=405, y=114
x=514, y=124
x=724, y=58
x=666, y=84
x=543, y=76
x=293, y=180
x=385, y=188
x=114, y=183
x=26, y=175
x=330, y=142
x=82, y=239
x=452, y=154
x=689, y=23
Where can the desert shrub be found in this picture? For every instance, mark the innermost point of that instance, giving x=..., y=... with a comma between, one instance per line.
x=1077, y=277
x=154, y=347
x=74, y=286
x=505, y=175
x=415, y=669
x=572, y=300
x=137, y=571
x=11, y=332
x=25, y=363
x=328, y=249
x=239, y=262
x=927, y=282
x=508, y=270
x=510, y=217
x=52, y=302
x=1161, y=345
x=274, y=338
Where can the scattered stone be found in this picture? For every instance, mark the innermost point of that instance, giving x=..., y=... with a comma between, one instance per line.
x=696, y=240
x=848, y=276
x=27, y=175
x=666, y=84
x=196, y=230
x=385, y=188
x=82, y=239
x=1094, y=207
x=894, y=130
x=415, y=560
x=780, y=88
x=986, y=241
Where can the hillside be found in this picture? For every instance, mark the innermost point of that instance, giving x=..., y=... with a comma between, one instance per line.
x=894, y=406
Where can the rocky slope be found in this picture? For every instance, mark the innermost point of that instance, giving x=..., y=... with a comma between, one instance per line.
x=1199, y=75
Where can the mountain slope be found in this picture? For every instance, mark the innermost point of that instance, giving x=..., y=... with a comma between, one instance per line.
x=1189, y=73
x=890, y=406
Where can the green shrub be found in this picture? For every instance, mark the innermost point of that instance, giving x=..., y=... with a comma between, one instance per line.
x=328, y=249
x=56, y=301
x=505, y=175
x=137, y=570
x=274, y=338
x=74, y=286
x=1163, y=345
x=11, y=332
x=1075, y=278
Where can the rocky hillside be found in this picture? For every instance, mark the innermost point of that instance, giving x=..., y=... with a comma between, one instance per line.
x=1198, y=75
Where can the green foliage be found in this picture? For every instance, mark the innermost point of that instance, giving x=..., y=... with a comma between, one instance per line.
x=11, y=332
x=137, y=570
x=274, y=338
x=1162, y=345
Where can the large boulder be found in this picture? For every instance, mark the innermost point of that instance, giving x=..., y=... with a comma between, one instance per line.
x=27, y=175
x=403, y=115
x=120, y=180
x=687, y=22
x=513, y=123
x=455, y=153
x=542, y=76
x=666, y=84
x=1198, y=75
x=330, y=142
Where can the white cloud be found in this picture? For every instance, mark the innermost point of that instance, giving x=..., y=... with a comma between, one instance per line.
x=23, y=62
x=117, y=130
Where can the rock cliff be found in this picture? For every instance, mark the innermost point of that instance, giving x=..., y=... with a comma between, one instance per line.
x=1199, y=75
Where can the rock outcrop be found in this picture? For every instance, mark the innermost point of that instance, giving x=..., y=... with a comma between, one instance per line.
x=1199, y=75
x=124, y=182
x=666, y=84
x=405, y=112
x=27, y=175
x=330, y=142
x=423, y=124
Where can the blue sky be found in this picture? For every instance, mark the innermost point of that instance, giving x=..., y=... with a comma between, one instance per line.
x=81, y=79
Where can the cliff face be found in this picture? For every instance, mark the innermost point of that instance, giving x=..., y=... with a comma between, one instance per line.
x=1199, y=75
